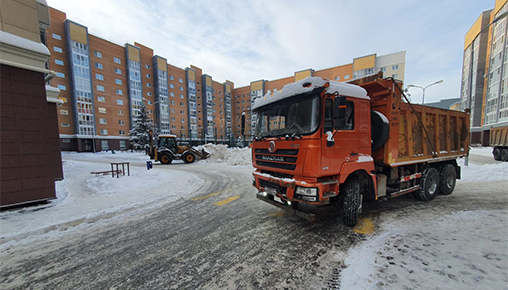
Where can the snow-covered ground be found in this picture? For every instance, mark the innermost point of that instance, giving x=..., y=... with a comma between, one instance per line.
x=462, y=250
x=84, y=198
x=415, y=255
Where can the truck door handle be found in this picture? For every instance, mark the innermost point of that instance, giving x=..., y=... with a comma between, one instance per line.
x=353, y=154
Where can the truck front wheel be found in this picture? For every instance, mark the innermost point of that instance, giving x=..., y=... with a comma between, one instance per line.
x=352, y=201
x=429, y=185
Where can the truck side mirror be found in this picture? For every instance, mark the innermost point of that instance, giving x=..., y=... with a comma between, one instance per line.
x=339, y=113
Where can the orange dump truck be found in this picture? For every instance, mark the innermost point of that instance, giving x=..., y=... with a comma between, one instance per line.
x=499, y=142
x=320, y=142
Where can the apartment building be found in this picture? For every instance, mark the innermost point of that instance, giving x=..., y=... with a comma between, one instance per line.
x=484, y=87
x=392, y=65
x=104, y=85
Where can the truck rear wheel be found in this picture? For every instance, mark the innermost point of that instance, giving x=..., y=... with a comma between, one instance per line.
x=497, y=154
x=352, y=203
x=189, y=158
x=447, y=179
x=504, y=155
x=166, y=158
x=429, y=185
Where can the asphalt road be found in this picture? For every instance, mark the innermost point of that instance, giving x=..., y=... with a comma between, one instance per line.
x=221, y=237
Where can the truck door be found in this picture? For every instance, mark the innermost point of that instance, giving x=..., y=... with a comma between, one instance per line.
x=345, y=147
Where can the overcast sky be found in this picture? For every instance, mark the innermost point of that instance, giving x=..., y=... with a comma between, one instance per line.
x=244, y=41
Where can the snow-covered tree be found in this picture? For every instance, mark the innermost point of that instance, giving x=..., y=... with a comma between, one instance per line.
x=139, y=134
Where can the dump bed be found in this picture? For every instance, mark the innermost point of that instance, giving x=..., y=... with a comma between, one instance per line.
x=499, y=136
x=417, y=133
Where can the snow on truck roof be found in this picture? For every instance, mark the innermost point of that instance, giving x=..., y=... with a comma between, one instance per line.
x=312, y=83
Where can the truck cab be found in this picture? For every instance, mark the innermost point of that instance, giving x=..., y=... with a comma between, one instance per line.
x=309, y=138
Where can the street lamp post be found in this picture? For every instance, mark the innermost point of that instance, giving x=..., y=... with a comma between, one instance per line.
x=424, y=88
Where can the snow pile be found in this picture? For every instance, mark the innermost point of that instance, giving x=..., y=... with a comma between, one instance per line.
x=405, y=255
x=223, y=154
x=486, y=172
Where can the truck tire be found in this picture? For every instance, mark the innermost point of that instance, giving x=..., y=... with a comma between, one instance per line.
x=166, y=158
x=447, y=179
x=188, y=157
x=429, y=185
x=497, y=154
x=504, y=155
x=352, y=201
x=380, y=129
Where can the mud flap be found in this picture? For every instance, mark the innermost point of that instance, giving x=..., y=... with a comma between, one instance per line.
x=308, y=216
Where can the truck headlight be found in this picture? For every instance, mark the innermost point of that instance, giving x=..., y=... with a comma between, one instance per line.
x=308, y=191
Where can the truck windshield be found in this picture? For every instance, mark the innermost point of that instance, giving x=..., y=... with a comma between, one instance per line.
x=297, y=116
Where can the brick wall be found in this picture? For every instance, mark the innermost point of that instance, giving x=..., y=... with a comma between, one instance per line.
x=29, y=144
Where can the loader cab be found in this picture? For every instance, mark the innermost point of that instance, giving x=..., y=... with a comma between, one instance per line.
x=168, y=142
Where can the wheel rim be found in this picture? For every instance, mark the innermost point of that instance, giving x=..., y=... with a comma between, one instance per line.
x=190, y=158
x=165, y=159
x=433, y=185
x=450, y=181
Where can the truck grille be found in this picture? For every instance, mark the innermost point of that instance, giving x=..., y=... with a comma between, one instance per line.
x=281, y=158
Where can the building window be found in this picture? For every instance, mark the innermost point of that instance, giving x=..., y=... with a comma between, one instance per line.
x=119, y=92
x=148, y=84
x=337, y=78
x=98, y=65
x=60, y=75
x=62, y=87
x=117, y=60
x=56, y=36
x=147, y=65
x=172, y=102
x=97, y=54
x=102, y=110
x=66, y=140
x=119, y=102
x=171, y=86
x=395, y=67
x=346, y=77
x=122, y=144
x=181, y=96
x=99, y=77
x=103, y=121
x=104, y=143
x=181, y=104
x=100, y=88
x=395, y=76
x=118, y=81
x=180, y=81
x=121, y=122
x=59, y=62
x=66, y=125
x=64, y=112
x=148, y=76
x=172, y=94
x=118, y=71
x=57, y=49
x=104, y=132
x=181, y=88
x=121, y=132
x=171, y=77
x=383, y=69
x=120, y=112
x=101, y=99
x=149, y=94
